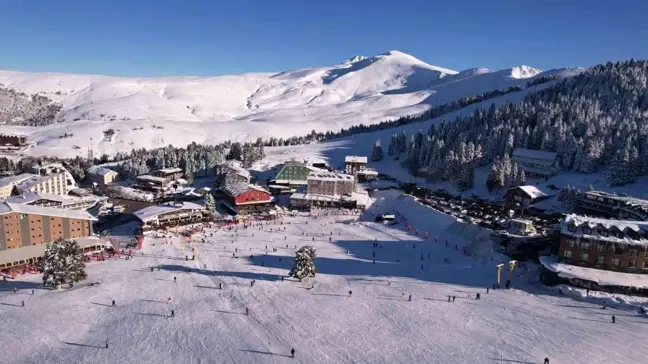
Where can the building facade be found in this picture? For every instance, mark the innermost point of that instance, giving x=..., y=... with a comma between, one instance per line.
x=612, y=205
x=535, y=163
x=8, y=140
x=294, y=174
x=170, y=174
x=53, y=183
x=330, y=184
x=604, y=244
x=25, y=225
x=102, y=176
x=172, y=214
x=55, y=169
x=354, y=163
x=231, y=172
x=245, y=198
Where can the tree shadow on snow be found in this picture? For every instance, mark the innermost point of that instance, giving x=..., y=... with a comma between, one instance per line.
x=217, y=273
x=21, y=285
x=512, y=361
x=151, y=314
x=101, y=304
x=265, y=352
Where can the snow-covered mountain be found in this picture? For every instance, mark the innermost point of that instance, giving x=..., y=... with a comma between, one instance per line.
x=152, y=112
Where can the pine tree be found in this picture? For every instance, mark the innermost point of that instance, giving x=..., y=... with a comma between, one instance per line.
x=377, y=153
x=210, y=203
x=304, y=265
x=63, y=263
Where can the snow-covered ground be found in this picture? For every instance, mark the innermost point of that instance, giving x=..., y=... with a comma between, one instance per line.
x=156, y=112
x=376, y=324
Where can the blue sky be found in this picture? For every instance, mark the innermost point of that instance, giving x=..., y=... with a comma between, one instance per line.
x=185, y=37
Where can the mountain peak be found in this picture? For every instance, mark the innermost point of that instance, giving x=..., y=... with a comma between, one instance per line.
x=524, y=71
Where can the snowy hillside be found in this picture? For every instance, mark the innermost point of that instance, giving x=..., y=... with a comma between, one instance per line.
x=153, y=112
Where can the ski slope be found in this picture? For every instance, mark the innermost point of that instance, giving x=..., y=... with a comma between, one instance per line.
x=376, y=324
x=156, y=112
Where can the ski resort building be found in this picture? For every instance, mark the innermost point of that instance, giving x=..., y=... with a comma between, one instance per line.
x=612, y=205
x=102, y=176
x=243, y=198
x=170, y=174
x=604, y=244
x=7, y=184
x=330, y=189
x=366, y=175
x=12, y=141
x=55, y=183
x=293, y=174
x=535, y=163
x=523, y=195
x=57, y=201
x=354, y=163
x=231, y=172
x=24, y=226
x=55, y=171
x=172, y=214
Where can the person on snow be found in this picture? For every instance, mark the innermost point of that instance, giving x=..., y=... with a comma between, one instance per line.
x=174, y=279
x=113, y=303
x=453, y=298
x=546, y=361
x=613, y=319
x=168, y=300
x=478, y=296
x=106, y=343
x=15, y=290
x=247, y=311
x=410, y=298
x=604, y=306
x=487, y=289
x=292, y=352
x=350, y=293
x=172, y=313
x=23, y=304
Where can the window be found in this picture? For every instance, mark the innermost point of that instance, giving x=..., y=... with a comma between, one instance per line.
x=600, y=248
x=584, y=257
x=616, y=261
x=618, y=249
x=585, y=245
x=633, y=252
x=587, y=230
x=571, y=243
x=571, y=227
x=600, y=259
x=645, y=264
x=567, y=254
x=632, y=263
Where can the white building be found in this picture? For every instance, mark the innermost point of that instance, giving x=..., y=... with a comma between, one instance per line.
x=7, y=184
x=52, y=169
x=102, y=176
x=54, y=183
x=231, y=172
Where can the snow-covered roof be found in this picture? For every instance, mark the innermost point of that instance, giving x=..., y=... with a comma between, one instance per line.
x=534, y=154
x=633, y=232
x=522, y=221
x=149, y=178
x=33, y=181
x=631, y=202
x=368, y=171
x=532, y=191
x=152, y=212
x=8, y=207
x=355, y=159
x=100, y=171
x=362, y=199
x=169, y=170
x=11, y=180
x=34, y=251
x=329, y=176
x=237, y=188
x=29, y=197
x=601, y=277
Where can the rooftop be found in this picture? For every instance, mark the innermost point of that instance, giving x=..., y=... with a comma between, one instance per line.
x=535, y=154
x=15, y=179
x=355, y=159
x=33, y=181
x=15, y=255
x=531, y=191
x=29, y=197
x=152, y=212
x=601, y=277
x=329, y=176
x=8, y=207
x=169, y=170
x=633, y=232
x=99, y=170
x=626, y=200
x=149, y=178
x=235, y=189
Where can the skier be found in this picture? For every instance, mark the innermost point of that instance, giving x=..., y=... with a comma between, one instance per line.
x=604, y=306
x=174, y=279
x=487, y=289
x=546, y=361
x=23, y=305
x=247, y=311
x=613, y=318
x=350, y=293
x=220, y=286
x=113, y=303
x=448, y=298
x=169, y=300
x=410, y=298
x=32, y=292
x=172, y=313
x=292, y=353
x=478, y=296
x=453, y=298
x=15, y=290
x=106, y=343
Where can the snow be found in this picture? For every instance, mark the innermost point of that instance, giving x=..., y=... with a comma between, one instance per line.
x=355, y=159
x=21, y=208
x=377, y=324
x=536, y=155
x=602, y=277
x=156, y=112
x=329, y=176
